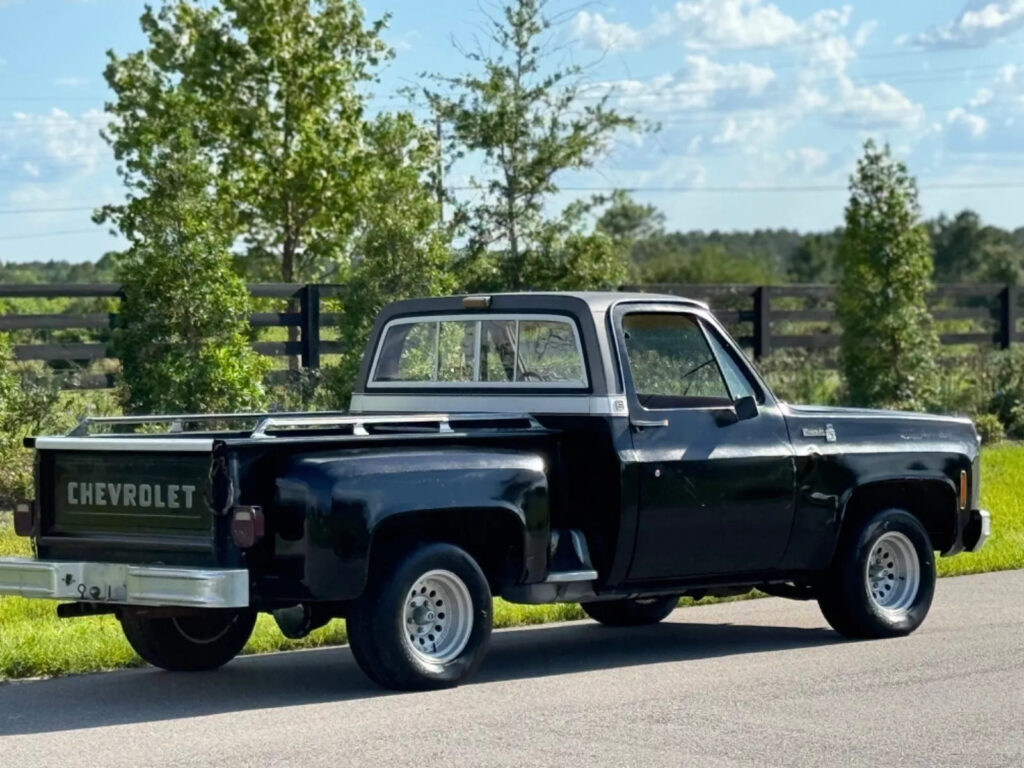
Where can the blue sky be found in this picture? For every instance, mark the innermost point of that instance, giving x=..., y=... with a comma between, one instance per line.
x=763, y=105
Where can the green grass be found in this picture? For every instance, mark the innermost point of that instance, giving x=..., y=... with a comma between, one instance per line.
x=33, y=642
x=1002, y=470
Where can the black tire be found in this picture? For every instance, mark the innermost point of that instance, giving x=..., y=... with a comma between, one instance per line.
x=853, y=595
x=381, y=630
x=189, y=643
x=631, y=613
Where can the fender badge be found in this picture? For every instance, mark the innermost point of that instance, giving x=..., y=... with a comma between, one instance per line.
x=828, y=432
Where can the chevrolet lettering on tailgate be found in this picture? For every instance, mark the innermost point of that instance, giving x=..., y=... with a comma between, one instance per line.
x=171, y=496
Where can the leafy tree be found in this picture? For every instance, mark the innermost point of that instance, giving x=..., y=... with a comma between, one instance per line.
x=405, y=253
x=889, y=344
x=27, y=401
x=526, y=121
x=661, y=260
x=270, y=89
x=814, y=261
x=627, y=220
x=183, y=338
x=966, y=250
x=271, y=94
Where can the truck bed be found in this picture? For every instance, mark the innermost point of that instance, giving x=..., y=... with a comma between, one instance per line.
x=115, y=490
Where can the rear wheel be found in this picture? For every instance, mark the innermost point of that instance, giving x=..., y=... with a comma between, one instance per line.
x=190, y=642
x=882, y=580
x=631, y=613
x=425, y=624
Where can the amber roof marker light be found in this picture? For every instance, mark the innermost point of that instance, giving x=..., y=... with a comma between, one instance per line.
x=476, y=302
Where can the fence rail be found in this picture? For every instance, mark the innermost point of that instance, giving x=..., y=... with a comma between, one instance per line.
x=769, y=317
x=763, y=318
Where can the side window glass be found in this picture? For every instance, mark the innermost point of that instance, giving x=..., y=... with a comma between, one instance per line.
x=671, y=363
x=739, y=384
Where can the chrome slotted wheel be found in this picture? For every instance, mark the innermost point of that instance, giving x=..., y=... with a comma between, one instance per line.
x=893, y=573
x=437, y=617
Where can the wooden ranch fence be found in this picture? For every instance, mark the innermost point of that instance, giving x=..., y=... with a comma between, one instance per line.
x=763, y=318
x=82, y=355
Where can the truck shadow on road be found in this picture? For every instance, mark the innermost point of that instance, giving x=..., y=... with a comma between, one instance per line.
x=331, y=675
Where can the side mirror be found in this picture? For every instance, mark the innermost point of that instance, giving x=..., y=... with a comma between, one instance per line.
x=745, y=407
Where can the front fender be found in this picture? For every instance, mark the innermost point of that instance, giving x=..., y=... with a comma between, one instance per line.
x=827, y=485
x=331, y=506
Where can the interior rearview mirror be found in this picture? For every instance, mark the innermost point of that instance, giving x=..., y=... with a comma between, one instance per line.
x=745, y=407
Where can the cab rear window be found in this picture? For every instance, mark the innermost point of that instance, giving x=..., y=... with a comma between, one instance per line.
x=517, y=351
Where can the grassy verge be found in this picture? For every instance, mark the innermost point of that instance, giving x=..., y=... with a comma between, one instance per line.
x=34, y=642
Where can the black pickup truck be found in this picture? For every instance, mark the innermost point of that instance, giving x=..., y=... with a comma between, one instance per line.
x=611, y=449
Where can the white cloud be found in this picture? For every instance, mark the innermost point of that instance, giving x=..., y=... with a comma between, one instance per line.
x=708, y=24
x=52, y=145
x=980, y=23
x=829, y=56
x=744, y=24
x=70, y=82
x=702, y=83
x=864, y=32
x=807, y=160
x=982, y=97
x=748, y=134
x=971, y=124
x=594, y=31
x=874, y=106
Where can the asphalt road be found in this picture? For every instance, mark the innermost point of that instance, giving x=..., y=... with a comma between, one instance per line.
x=743, y=684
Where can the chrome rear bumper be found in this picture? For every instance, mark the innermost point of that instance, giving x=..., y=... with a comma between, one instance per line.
x=123, y=584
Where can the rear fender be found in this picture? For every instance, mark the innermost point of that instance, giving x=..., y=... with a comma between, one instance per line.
x=334, y=511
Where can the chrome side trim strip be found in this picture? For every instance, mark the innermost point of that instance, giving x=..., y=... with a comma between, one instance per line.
x=613, y=405
x=566, y=577
x=140, y=444
x=124, y=584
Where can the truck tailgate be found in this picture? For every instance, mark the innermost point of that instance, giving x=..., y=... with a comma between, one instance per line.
x=125, y=500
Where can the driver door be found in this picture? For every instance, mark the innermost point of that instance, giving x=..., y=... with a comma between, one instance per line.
x=716, y=490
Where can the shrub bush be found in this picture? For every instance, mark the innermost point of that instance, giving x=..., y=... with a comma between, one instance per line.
x=889, y=344
x=26, y=404
x=990, y=428
x=802, y=376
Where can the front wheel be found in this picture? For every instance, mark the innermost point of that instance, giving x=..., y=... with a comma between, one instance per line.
x=882, y=581
x=634, y=612
x=425, y=624
x=189, y=643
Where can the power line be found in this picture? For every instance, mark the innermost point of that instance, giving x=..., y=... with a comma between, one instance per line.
x=7, y=211
x=771, y=188
x=906, y=76
x=50, y=234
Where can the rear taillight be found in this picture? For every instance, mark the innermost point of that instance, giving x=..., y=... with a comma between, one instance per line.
x=246, y=526
x=24, y=518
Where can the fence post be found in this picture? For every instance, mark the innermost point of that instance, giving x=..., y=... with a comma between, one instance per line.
x=1008, y=316
x=762, y=322
x=309, y=306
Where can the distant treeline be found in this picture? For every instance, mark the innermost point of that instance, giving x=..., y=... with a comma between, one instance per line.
x=965, y=249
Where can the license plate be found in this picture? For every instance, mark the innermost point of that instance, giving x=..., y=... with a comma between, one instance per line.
x=95, y=582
